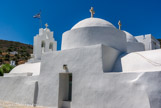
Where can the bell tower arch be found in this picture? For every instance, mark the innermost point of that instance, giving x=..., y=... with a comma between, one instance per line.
x=44, y=42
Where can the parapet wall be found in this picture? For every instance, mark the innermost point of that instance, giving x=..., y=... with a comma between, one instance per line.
x=19, y=90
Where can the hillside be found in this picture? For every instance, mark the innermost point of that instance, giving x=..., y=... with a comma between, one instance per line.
x=14, y=51
x=159, y=41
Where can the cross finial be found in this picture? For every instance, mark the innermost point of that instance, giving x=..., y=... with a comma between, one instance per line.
x=92, y=12
x=119, y=23
x=46, y=25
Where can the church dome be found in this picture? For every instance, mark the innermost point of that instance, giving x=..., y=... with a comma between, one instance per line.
x=130, y=37
x=93, y=22
x=93, y=31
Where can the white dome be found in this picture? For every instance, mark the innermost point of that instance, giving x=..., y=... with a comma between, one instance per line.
x=93, y=31
x=33, y=68
x=130, y=37
x=93, y=22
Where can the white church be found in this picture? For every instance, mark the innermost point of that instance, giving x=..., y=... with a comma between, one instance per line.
x=98, y=66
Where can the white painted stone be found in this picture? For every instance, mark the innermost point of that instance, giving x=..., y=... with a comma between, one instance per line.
x=33, y=68
x=94, y=88
x=16, y=74
x=87, y=36
x=145, y=61
x=43, y=42
x=149, y=41
x=132, y=44
x=130, y=37
x=135, y=46
x=19, y=90
x=93, y=22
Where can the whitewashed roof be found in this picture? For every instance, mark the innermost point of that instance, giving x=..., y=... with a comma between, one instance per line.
x=33, y=68
x=130, y=37
x=92, y=22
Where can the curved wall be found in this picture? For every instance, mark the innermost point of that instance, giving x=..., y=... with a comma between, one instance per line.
x=94, y=35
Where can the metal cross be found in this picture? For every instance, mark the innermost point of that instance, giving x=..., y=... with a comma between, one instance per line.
x=119, y=23
x=92, y=12
x=46, y=25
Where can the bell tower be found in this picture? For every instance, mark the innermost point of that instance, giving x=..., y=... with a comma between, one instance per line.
x=44, y=42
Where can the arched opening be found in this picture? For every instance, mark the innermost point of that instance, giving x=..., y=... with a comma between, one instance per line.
x=43, y=46
x=51, y=46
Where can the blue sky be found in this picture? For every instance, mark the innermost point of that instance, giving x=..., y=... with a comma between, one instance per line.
x=17, y=23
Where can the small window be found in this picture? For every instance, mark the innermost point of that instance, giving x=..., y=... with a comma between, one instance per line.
x=51, y=46
x=43, y=46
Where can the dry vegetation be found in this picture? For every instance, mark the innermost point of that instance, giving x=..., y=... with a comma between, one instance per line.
x=7, y=48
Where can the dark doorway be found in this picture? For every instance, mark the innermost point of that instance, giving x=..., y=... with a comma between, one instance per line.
x=65, y=90
x=70, y=88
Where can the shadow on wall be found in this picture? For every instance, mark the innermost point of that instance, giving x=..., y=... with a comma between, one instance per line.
x=118, y=65
x=35, y=94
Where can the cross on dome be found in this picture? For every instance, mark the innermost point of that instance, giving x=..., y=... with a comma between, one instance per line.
x=92, y=12
x=119, y=23
x=46, y=25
